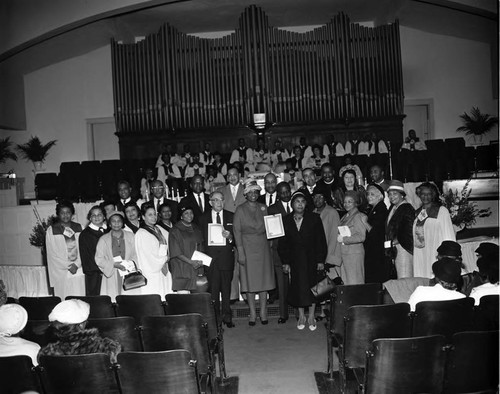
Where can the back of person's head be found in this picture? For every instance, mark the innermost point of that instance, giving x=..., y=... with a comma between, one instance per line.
x=69, y=316
x=488, y=268
x=447, y=272
x=488, y=249
x=13, y=319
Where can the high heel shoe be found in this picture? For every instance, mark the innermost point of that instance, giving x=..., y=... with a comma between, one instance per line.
x=251, y=323
x=264, y=322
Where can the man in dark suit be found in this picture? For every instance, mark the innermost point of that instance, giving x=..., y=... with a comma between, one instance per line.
x=196, y=198
x=309, y=184
x=124, y=191
x=270, y=197
x=281, y=206
x=158, y=198
x=221, y=268
x=327, y=182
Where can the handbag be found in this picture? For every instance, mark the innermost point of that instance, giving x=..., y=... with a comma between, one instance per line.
x=201, y=282
x=325, y=286
x=134, y=280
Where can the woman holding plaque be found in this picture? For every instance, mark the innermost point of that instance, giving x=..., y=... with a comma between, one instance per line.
x=254, y=253
x=184, y=238
x=303, y=252
x=63, y=257
x=151, y=246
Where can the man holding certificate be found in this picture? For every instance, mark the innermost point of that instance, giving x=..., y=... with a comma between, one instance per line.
x=217, y=229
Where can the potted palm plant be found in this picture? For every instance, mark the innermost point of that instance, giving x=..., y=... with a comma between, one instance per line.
x=5, y=151
x=477, y=124
x=35, y=151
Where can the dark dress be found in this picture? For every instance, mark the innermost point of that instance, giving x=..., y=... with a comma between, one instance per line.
x=302, y=249
x=93, y=275
x=376, y=265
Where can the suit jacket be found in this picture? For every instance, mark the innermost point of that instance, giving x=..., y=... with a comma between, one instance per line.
x=275, y=209
x=400, y=226
x=328, y=189
x=191, y=201
x=262, y=198
x=119, y=205
x=309, y=198
x=173, y=205
x=231, y=204
x=354, y=243
x=223, y=257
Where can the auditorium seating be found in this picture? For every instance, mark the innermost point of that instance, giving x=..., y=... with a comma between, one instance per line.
x=37, y=331
x=18, y=375
x=69, y=181
x=39, y=308
x=201, y=303
x=46, y=186
x=100, y=306
x=486, y=313
x=139, y=306
x=406, y=365
x=121, y=329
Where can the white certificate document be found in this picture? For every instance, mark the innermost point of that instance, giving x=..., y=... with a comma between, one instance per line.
x=197, y=255
x=215, y=237
x=274, y=226
x=344, y=231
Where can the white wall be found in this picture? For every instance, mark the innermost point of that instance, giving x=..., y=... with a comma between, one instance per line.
x=455, y=73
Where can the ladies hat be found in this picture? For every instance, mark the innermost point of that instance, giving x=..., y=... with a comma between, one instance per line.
x=397, y=186
x=184, y=208
x=450, y=249
x=13, y=318
x=119, y=213
x=251, y=185
x=447, y=269
x=296, y=194
x=378, y=187
x=70, y=312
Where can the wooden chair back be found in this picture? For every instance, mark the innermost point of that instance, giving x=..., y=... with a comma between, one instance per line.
x=443, y=317
x=18, y=375
x=121, y=329
x=473, y=363
x=139, y=306
x=168, y=372
x=38, y=331
x=486, y=313
x=100, y=306
x=39, y=308
x=406, y=365
x=79, y=374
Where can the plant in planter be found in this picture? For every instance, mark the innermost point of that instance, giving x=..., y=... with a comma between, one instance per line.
x=477, y=124
x=35, y=151
x=5, y=151
x=39, y=231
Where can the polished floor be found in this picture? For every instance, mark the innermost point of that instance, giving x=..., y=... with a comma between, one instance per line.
x=275, y=358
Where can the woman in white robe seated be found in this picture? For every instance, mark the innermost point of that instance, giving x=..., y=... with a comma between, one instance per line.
x=115, y=250
x=63, y=257
x=151, y=245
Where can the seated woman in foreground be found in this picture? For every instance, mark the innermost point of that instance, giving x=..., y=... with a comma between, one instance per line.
x=68, y=320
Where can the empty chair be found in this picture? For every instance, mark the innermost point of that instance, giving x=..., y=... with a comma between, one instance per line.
x=187, y=332
x=362, y=325
x=486, y=157
x=168, y=372
x=139, y=306
x=342, y=298
x=406, y=365
x=110, y=176
x=100, y=306
x=85, y=373
x=436, y=163
x=69, y=180
x=455, y=158
x=18, y=375
x=472, y=363
x=46, y=186
x=178, y=304
x=443, y=317
x=90, y=181
x=121, y=329
x=38, y=331
x=39, y=308
x=486, y=313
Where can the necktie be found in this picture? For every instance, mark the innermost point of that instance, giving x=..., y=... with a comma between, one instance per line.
x=270, y=200
x=233, y=192
x=218, y=218
x=287, y=207
x=199, y=202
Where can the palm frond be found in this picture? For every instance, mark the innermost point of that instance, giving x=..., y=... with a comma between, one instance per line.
x=34, y=150
x=5, y=151
x=477, y=123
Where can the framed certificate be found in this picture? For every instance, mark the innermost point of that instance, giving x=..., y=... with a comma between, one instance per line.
x=274, y=226
x=215, y=237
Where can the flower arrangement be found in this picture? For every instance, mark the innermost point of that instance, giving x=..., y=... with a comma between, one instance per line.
x=462, y=212
x=37, y=236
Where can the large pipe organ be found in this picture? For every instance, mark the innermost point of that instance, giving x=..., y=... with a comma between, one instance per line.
x=338, y=76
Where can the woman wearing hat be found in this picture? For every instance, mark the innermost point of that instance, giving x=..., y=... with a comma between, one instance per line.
x=303, y=252
x=13, y=319
x=352, y=250
x=151, y=246
x=88, y=243
x=184, y=238
x=432, y=226
x=68, y=320
x=254, y=254
x=447, y=274
x=376, y=267
x=399, y=229
x=112, y=249
x=63, y=257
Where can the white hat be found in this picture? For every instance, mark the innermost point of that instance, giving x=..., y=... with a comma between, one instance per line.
x=13, y=318
x=70, y=312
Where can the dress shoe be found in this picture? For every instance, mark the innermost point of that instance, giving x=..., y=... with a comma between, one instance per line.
x=301, y=323
x=312, y=324
x=282, y=320
x=251, y=323
x=229, y=324
x=264, y=322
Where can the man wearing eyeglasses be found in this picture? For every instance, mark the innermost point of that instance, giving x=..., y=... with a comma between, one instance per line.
x=217, y=229
x=158, y=198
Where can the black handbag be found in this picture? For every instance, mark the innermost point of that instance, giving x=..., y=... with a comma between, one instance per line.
x=134, y=280
x=325, y=286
